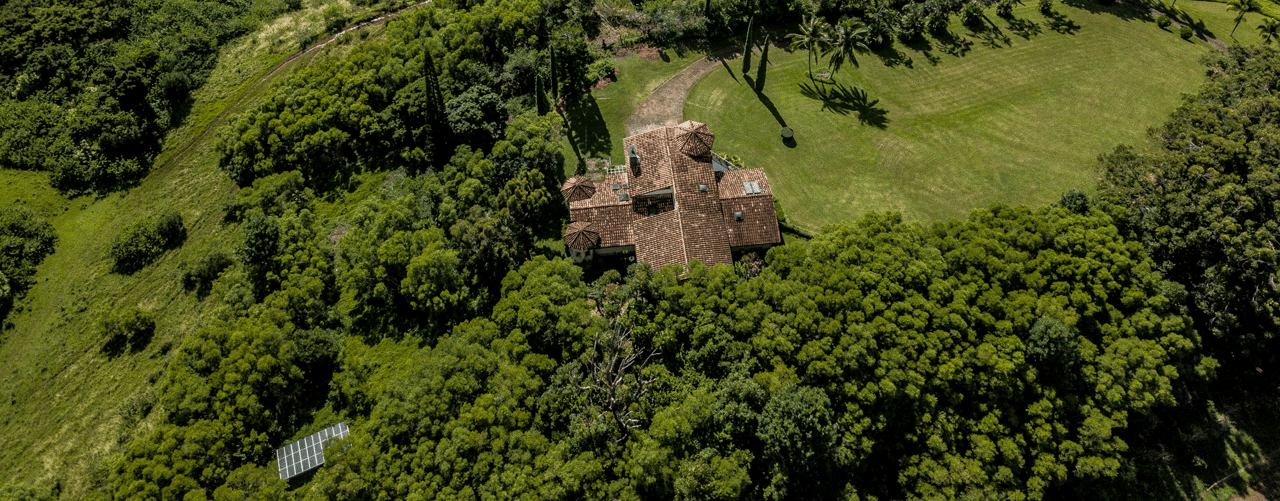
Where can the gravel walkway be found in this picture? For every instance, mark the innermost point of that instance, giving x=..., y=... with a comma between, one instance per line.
x=666, y=105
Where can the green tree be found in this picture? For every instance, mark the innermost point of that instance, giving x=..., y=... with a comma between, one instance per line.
x=1241, y=7
x=1203, y=204
x=1269, y=29
x=812, y=37
x=25, y=240
x=848, y=38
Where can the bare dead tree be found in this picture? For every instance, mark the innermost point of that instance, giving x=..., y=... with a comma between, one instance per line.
x=615, y=377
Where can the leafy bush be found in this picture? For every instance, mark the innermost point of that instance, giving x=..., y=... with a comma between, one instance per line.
x=1046, y=7
x=1005, y=9
x=971, y=15
x=144, y=240
x=130, y=328
x=1186, y=32
x=198, y=276
x=1164, y=22
x=25, y=240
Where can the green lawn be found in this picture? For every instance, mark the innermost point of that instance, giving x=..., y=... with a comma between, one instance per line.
x=1018, y=120
x=597, y=123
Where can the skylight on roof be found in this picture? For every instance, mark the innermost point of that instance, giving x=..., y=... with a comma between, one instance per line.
x=622, y=197
x=750, y=187
x=702, y=188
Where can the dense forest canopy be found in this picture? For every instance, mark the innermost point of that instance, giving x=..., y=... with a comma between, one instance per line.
x=1205, y=205
x=92, y=86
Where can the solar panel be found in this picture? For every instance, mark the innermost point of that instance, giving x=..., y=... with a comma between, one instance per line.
x=308, y=453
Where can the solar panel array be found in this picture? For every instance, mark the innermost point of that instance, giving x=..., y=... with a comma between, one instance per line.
x=308, y=453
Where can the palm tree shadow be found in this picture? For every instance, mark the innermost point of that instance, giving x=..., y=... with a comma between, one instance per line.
x=1061, y=24
x=844, y=100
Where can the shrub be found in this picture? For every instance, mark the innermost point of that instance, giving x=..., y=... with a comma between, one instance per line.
x=1163, y=22
x=130, y=327
x=1186, y=32
x=971, y=15
x=144, y=240
x=136, y=246
x=1004, y=9
x=198, y=276
x=171, y=229
x=1046, y=7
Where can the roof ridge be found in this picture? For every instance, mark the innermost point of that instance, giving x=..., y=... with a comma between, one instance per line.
x=684, y=240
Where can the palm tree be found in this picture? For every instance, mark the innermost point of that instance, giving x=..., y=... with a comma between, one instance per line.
x=848, y=38
x=812, y=36
x=1241, y=7
x=1269, y=29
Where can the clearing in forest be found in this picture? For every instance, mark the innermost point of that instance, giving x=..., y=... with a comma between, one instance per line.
x=1013, y=113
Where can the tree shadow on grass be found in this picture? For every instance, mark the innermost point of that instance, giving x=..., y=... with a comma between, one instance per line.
x=1121, y=10
x=990, y=35
x=588, y=133
x=1024, y=28
x=843, y=100
x=1059, y=23
x=922, y=45
x=955, y=45
x=757, y=86
x=892, y=57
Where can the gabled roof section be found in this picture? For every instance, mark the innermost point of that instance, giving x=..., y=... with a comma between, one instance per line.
x=653, y=172
x=731, y=183
x=613, y=223
x=604, y=194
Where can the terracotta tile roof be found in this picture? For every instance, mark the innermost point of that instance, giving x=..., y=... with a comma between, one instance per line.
x=605, y=195
x=759, y=225
x=701, y=221
x=695, y=221
x=694, y=138
x=731, y=183
x=582, y=235
x=654, y=169
x=577, y=188
x=613, y=223
x=658, y=240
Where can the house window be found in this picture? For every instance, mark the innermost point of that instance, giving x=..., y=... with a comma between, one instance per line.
x=626, y=187
x=615, y=187
x=702, y=188
x=622, y=197
x=737, y=216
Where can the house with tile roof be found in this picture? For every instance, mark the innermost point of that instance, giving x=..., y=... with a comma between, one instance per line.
x=673, y=201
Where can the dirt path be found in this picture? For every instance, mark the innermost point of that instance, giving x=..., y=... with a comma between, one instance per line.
x=666, y=105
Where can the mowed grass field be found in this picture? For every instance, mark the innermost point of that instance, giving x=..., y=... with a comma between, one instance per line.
x=1019, y=116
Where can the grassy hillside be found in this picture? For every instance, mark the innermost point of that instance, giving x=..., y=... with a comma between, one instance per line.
x=1015, y=114
x=67, y=406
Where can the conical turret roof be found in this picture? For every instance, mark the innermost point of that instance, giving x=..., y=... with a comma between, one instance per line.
x=578, y=188
x=694, y=138
x=582, y=235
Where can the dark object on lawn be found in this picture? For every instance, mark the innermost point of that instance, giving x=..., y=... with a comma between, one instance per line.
x=1163, y=22
x=1186, y=33
x=787, y=133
